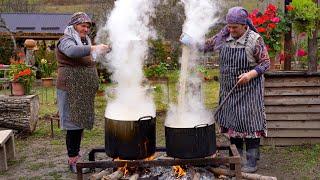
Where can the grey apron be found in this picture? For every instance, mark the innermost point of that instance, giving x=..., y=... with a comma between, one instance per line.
x=244, y=110
x=82, y=85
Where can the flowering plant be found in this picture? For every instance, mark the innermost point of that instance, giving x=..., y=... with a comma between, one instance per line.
x=270, y=24
x=46, y=68
x=304, y=15
x=22, y=73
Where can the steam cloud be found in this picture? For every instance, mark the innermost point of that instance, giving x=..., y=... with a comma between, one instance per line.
x=128, y=31
x=190, y=110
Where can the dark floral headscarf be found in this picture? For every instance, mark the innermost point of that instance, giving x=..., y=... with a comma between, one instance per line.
x=78, y=18
x=236, y=15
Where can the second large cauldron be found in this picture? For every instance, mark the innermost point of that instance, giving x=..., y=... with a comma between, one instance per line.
x=130, y=139
x=188, y=143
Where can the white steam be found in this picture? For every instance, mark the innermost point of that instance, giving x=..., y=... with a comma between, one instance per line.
x=190, y=110
x=128, y=31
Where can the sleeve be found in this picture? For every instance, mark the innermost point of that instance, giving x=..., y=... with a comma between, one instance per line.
x=69, y=47
x=261, y=56
x=208, y=45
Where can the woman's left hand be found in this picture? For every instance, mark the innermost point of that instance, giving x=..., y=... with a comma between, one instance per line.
x=246, y=77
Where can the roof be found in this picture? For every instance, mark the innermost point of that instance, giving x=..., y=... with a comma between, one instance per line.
x=35, y=22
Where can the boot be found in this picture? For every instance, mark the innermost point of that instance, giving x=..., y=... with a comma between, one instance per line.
x=251, y=165
x=252, y=155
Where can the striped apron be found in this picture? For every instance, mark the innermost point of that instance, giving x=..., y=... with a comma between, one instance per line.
x=244, y=111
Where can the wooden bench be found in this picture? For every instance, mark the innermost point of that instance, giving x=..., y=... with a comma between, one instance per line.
x=7, y=148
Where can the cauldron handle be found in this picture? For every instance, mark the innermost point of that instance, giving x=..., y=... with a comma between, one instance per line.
x=145, y=118
x=201, y=125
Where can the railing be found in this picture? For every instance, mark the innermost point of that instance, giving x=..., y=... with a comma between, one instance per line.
x=5, y=81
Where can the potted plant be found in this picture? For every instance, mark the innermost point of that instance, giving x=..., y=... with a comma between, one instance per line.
x=304, y=15
x=22, y=76
x=101, y=89
x=46, y=69
x=203, y=73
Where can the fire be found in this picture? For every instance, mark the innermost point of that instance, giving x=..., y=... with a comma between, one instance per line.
x=179, y=172
x=150, y=158
x=124, y=169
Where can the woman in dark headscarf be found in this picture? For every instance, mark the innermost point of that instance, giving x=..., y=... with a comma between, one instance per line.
x=243, y=60
x=77, y=82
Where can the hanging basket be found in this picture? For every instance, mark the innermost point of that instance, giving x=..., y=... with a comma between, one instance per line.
x=47, y=82
x=17, y=89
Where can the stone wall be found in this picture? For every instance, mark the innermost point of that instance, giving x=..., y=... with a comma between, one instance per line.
x=19, y=112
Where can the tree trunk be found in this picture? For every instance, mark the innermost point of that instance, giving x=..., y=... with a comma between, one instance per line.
x=312, y=48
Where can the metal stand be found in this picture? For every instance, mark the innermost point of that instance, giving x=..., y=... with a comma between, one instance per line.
x=233, y=160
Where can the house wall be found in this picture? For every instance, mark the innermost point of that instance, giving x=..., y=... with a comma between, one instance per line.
x=292, y=102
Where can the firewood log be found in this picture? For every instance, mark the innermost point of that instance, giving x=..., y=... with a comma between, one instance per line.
x=114, y=176
x=221, y=171
x=98, y=176
x=196, y=176
x=134, y=177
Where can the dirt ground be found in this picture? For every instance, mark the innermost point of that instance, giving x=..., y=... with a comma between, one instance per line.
x=41, y=157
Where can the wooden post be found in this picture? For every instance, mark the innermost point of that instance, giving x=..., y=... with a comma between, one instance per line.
x=287, y=42
x=312, y=48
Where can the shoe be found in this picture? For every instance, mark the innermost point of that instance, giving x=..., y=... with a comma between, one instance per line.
x=72, y=161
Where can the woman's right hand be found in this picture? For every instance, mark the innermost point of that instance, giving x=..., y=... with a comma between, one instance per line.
x=101, y=48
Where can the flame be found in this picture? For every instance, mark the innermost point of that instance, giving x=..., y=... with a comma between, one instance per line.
x=178, y=171
x=150, y=158
x=124, y=169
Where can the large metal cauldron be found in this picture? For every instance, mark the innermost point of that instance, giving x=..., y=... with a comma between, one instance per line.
x=130, y=139
x=188, y=143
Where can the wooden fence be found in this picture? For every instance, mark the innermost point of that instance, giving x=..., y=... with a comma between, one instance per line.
x=292, y=101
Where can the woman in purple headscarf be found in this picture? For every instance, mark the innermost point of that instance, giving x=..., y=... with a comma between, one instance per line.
x=243, y=60
x=77, y=82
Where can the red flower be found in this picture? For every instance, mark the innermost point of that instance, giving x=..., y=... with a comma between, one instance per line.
x=261, y=29
x=272, y=25
x=282, y=57
x=268, y=47
x=275, y=19
x=289, y=7
x=272, y=7
x=21, y=54
x=301, y=53
x=1, y=65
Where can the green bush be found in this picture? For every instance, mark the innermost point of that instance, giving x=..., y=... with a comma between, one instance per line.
x=6, y=50
x=156, y=70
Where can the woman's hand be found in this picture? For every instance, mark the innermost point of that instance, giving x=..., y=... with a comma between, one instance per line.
x=101, y=48
x=246, y=77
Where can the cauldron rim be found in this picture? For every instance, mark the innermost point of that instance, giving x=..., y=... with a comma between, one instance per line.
x=129, y=120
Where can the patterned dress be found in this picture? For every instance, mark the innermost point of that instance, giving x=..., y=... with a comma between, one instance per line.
x=243, y=114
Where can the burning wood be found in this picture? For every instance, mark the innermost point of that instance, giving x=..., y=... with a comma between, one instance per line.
x=150, y=158
x=115, y=175
x=99, y=175
x=178, y=171
x=124, y=170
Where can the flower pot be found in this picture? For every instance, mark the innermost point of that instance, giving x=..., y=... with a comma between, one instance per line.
x=17, y=89
x=47, y=82
x=100, y=93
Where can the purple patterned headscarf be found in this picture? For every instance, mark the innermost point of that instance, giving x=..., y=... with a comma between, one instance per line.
x=78, y=18
x=236, y=15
